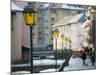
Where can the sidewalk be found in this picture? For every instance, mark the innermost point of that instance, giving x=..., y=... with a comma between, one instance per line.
x=38, y=65
x=75, y=64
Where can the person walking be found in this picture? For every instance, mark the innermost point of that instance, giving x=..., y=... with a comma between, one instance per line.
x=93, y=58
x=84, y=58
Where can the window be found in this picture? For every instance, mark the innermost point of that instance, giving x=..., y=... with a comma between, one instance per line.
x=41, y=6
x=40, y=33
x=46, y=21
x=79, y=12
x=52, y=19
x=12, y=19
x=52, y=24
x=39, y=18
x=39, y=38
x=46, y=34
x=46, y=27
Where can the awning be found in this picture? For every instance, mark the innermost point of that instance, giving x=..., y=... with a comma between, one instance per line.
x=68, y=20
x=15, y=8
x=76, y=18
x=63, y=22
x=66, y=6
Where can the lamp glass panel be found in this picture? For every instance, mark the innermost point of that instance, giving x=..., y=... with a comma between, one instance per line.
x=30, y=18
x=62, y=37
x=56, y=35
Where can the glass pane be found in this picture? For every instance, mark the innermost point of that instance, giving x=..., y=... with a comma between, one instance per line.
x=56, y=34
x=30, y=18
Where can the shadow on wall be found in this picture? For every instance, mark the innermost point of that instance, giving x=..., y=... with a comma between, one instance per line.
x=25, y=54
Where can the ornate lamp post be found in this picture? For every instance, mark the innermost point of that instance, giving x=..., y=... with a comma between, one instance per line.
x=56, y=34
x=29, y=14
x=62, y=38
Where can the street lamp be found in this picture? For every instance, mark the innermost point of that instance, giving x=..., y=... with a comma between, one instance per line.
x=29, y=14
x=56, y=34
x=62, y=38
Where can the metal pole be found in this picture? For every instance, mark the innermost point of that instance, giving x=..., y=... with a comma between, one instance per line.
x=62, y=48
x=62, y=45
x=56, y=53
x=31, y=49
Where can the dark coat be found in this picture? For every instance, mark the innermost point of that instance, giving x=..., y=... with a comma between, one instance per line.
x=93, y=57
x=83, y=56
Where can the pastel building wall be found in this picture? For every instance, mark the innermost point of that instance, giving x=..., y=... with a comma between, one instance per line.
x=16, y=36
